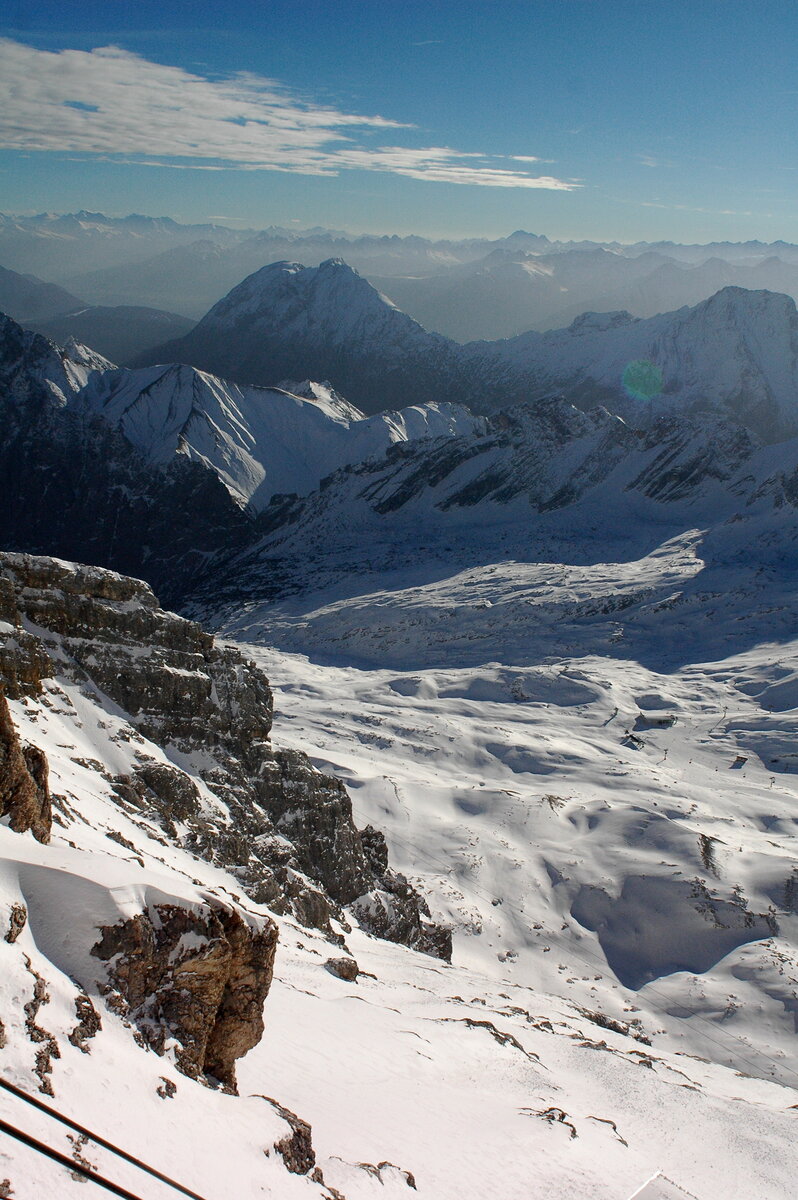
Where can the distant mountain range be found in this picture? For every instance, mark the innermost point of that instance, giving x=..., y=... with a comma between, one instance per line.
x=466, y=289
x=509, y=292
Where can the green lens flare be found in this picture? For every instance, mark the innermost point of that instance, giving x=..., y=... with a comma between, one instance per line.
x=642, y=379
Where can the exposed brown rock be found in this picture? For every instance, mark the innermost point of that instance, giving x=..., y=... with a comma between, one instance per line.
x=24, y=794
x=344, y=968
x=48, y=1046
x=173, y=792
x=200, y=977
x=16, y=922
x=286, y=831
x=23, y=660
x=385, y=1170
x=395, y=911
x=296, y=1148
x=239, y=1019
x=88, y=1025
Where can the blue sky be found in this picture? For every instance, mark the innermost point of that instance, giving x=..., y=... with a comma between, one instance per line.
x=621, y=119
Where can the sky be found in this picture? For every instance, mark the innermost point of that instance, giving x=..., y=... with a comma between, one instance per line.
x=605, y=119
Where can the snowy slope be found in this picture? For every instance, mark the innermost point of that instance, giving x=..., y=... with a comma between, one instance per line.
x=580, y=746
x=554, y=657
x=573, y=719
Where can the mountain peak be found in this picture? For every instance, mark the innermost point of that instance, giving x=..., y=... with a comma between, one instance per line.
x=594, y=322
x=748, y=299
x=336, y=264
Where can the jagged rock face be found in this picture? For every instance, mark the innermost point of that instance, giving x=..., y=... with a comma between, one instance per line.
x=315, y=813
x=23, y=661
x=534, y=458
x=24, y=792
x=296, y=1148
x=393, y=909
x=285, y=830
x=199, y=977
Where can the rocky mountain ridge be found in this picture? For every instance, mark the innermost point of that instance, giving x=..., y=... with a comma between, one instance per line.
x=259, y=441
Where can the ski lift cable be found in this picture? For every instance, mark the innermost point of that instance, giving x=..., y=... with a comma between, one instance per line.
x=64, y=1161
x=99, y=1141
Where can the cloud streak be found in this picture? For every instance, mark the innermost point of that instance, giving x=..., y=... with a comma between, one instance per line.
x=112, y=104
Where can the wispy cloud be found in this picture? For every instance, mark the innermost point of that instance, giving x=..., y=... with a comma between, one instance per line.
x=115, y=105
x=651, y=160
x=712, y=212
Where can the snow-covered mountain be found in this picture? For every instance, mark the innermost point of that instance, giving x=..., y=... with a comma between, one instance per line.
x=326, y=322
x=259, y=441
x=75, y=486
x=736, y=352
x=534, y=465
x=256, y=441
x=551, y=653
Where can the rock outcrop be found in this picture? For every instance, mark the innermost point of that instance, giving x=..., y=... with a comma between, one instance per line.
x=284, y=829
x=199, y=978
x=24, y=791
